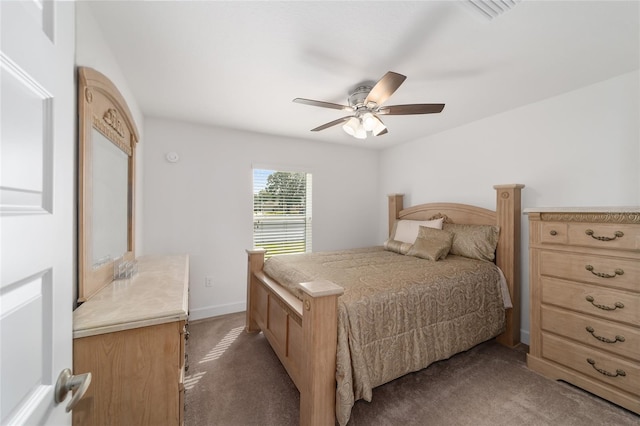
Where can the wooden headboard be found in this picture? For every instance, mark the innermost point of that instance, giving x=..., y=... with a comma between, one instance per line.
x=506, y=215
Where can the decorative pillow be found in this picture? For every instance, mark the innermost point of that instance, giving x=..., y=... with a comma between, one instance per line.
x=397, y=246
x=432, y=244
x=444, y=217
x=406, y=231
x=474, y=241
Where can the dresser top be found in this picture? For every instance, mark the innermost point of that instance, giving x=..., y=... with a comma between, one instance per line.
x=157, y=294
x=604, y=209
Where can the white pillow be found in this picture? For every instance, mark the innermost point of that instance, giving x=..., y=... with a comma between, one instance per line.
x=407, y=230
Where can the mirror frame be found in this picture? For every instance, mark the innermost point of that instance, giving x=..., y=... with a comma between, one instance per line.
x=102, y=107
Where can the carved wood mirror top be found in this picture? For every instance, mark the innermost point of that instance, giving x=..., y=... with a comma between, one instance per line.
x=107, y=141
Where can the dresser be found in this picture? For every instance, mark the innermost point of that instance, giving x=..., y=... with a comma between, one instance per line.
x=131, y=337
x=584, y=281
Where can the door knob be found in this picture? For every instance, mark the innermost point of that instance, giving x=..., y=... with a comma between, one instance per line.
x=68, y=382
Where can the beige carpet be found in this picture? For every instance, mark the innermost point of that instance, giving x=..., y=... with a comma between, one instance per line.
x=235, y=379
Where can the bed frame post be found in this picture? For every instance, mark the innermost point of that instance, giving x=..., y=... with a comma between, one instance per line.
x=254, y=264
x=320, y=331
x=395, y=205
x=508, y=212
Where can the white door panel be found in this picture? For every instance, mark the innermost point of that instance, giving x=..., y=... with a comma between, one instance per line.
x=27, y=130
x=37, y=163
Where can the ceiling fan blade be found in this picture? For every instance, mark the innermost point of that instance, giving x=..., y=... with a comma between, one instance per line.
x=332, y=123
x=322, y=104
x=384, y=132
x=385, y=87
x=411, y=109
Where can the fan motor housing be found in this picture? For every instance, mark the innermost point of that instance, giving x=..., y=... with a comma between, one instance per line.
x=358, y=95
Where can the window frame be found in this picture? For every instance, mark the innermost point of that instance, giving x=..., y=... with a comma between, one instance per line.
x=288, y=240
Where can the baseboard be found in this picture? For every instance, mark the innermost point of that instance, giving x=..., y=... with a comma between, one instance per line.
x=524, y=336
x=216, y=311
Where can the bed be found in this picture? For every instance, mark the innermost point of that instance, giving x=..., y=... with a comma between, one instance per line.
x=338, y=342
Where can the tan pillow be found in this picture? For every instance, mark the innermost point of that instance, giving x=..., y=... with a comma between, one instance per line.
x=432, y=244
x=406, y=231
x=474, y=241
x=397, y=246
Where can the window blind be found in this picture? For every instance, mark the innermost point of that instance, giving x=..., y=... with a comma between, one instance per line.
x=282, y=211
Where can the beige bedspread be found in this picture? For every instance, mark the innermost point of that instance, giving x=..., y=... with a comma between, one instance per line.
x=398, y=313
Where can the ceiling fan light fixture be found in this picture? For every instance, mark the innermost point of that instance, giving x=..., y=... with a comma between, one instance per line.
x=359, y=126
x=378, y=127
x=361, y=133
x=351, y=126
x=369, y=121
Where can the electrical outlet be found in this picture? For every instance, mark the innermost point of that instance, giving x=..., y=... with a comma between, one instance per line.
x=208, y=281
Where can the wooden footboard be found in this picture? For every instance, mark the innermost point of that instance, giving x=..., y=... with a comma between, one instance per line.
x=302, y=333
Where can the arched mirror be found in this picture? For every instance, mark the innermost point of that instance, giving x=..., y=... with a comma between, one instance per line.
x=108, y=137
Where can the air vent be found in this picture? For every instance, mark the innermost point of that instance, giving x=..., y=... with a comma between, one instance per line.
x=490, y=9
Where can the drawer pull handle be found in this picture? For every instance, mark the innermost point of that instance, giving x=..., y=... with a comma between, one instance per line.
x=618, y=271
x=604, y=339
x=605, y=372
x=553, y=232
x=617, y=305
x=617, y=234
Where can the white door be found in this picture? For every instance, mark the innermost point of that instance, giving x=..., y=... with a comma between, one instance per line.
x=37, y=160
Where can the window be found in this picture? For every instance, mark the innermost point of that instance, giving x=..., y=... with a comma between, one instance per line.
x=281, y=211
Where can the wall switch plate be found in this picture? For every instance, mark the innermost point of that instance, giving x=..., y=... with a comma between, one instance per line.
x=208, y=281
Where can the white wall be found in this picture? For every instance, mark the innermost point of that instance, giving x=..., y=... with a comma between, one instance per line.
x=578, y=149
x=93, y=51
x=202, y=205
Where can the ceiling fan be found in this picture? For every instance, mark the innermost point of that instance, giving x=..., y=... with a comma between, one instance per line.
x=366, y=103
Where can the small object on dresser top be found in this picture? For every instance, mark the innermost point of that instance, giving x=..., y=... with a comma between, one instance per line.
x=124, y=269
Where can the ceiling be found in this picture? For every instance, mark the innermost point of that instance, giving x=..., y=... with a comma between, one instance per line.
x=239, y=64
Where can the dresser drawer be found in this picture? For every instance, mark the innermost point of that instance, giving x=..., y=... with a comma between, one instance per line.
x=604, y=367
x=554, y=233
x=605, y=303
x=606, y=335
x=598, y=235
x=599, y=270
